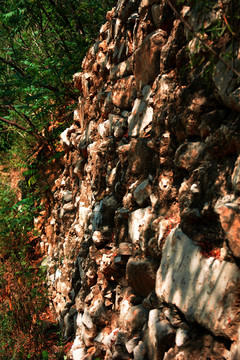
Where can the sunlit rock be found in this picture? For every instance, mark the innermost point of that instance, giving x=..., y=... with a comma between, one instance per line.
x=160, y=335
x=204, y=289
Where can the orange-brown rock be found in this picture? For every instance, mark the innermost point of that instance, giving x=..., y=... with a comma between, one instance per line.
x=147, y=58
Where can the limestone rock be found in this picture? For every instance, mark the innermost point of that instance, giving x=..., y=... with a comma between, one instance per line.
x=118, y=125
x=230, y=220
x=182, y=335
x=236, y=176
x=156, y=11
x=79, y=354
x=140, y=119
x=146, y=3
x=131, y=344
x=147, y=58
x=160, y=335
x=125, y=249
x=204, y=289
x=142, y=192
x=124, y=92
x=135, y=320
x=140, y=351
x=140, y=157
x=189, y=154
x=123, y=69
x=98, y=238
x=141, y=275
x=151, y=145
x=67, y=196
x=138, y=220
x=104, y=129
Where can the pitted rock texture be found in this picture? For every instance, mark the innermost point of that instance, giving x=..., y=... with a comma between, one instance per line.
x=153, y=147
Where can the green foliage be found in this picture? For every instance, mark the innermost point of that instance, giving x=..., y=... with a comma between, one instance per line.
x=42, y=46
x=45, y=355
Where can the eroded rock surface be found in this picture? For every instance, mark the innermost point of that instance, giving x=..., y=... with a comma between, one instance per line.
x=153, y=147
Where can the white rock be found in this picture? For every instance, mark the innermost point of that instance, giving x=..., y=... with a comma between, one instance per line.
x=135, y=319
x=182, y=336
x=163, y=226
x=104, y=129
x=204, y=289
x=58, y=274
x=79, y=320
x=110, y=339
x=53, y=221
x=140, y=118
x=137, y=219
x=194, y=189
x=64, y=138
x=159, y=333
x=84, y=214
x=77, y=343
x=236, y=176
x=139, y=351
x=131, y=344
x=87, y=320
x=100, y=337
x=124, y=308
x=153, y=199
x=78, y=354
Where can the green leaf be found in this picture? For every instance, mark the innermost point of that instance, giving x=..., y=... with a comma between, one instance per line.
x=45, y=355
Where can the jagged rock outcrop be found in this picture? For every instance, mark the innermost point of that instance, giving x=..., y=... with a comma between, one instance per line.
x=143, y=241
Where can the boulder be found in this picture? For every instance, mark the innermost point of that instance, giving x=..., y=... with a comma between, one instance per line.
x=204, y=289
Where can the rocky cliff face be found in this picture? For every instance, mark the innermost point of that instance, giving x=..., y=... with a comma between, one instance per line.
x=143, y=242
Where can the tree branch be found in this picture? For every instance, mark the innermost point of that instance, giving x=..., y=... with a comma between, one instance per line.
x=17, y=68
x=20, y=71
x=20, y=127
